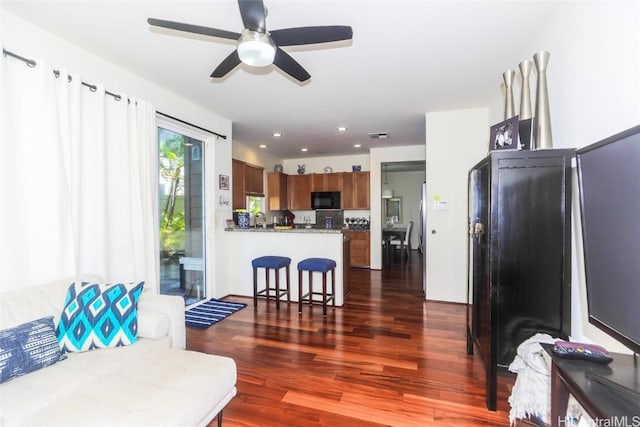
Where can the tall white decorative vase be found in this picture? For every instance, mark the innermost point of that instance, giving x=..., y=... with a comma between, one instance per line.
x=509, y=109
x=542, y=120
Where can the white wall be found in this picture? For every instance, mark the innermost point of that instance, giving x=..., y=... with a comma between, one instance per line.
x=456, y=140
x=378, y=157
x=30, y=41
x=594, y=92
x=247, y=154
x=336, y=163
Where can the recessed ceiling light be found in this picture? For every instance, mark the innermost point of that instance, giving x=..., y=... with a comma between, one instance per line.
x=277, y=134
x=262, y=146
x=342, y=129
x=357, y=145
x=304, y=149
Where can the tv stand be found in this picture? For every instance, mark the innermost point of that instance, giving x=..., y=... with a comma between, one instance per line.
x=620, y=389
x=592, y=385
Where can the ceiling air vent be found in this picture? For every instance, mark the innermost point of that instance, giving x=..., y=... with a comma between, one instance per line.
x=378, y=135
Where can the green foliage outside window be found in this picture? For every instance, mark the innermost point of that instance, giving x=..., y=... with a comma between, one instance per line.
x=254, y=204
x=172, y=217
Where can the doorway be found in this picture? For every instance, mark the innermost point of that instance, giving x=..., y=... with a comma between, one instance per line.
x=403, y=191
x=181, y=209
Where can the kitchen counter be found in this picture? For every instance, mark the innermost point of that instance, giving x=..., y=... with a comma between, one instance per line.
x=244, y=244
x=285, y=230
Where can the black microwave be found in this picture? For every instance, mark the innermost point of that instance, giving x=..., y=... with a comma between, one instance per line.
x=325, y=200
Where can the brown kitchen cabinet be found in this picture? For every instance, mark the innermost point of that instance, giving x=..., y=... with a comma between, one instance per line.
x=361, y=186
x=238, y=192
x=254, y=180
x=299, y=187
x=355, y=190
x=360, y=247
x=348, y=187
x=317, y=182
x=277, y=191
x=327, y=181
x=247, y=180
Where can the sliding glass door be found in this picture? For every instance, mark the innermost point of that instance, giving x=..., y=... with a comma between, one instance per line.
x=182, y=231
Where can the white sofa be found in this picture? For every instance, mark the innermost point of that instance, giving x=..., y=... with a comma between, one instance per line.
x=153, y=382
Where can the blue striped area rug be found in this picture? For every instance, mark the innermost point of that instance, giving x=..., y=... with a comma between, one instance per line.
x=211, y=312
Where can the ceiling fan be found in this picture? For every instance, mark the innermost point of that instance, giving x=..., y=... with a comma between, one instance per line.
x=258, y=47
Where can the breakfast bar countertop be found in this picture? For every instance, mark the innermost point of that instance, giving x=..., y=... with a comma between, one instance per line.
x=286, y=230
x=243, y=245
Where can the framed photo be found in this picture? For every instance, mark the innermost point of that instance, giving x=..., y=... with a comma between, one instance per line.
x=223, y=182
x=504, y=135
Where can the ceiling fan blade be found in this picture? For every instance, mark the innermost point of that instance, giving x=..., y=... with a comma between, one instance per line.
x=253, y=15
x=289, y=65
x=197, y=29
x=311, y=35
x=229, y=63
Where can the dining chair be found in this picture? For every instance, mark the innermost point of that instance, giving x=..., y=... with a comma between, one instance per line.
x=406, y=242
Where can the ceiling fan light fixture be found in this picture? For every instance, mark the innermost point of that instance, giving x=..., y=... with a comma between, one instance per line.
x=256, y=49
x=387, y=194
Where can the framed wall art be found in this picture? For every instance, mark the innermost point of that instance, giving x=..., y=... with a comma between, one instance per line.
x=223, y=182
x=504, y=135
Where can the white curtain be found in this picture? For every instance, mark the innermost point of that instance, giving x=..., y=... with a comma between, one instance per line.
x=78, y=178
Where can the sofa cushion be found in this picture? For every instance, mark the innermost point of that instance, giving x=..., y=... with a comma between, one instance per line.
x=27, y=348
x=22, y=305
x=137, y=385
x=99, y=315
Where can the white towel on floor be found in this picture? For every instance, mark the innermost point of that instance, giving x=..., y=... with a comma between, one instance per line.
x=532, y=390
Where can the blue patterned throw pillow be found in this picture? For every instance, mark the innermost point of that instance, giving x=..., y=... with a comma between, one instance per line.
x=99, y=315
x=27, y=348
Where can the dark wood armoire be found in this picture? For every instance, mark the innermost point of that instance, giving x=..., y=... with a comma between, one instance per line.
x=519, y=254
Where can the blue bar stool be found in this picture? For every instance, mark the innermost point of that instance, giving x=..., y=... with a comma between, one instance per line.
x=268, y=263
x=321, y=265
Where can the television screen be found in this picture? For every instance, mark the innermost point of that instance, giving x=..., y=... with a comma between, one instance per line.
x=609, y=186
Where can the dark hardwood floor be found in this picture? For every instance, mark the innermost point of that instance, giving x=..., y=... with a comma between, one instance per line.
x=386, y=358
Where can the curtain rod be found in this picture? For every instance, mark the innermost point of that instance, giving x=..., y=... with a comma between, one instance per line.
x=32, y=63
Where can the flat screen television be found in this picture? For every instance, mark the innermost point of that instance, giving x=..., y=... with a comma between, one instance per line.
x=609, y=188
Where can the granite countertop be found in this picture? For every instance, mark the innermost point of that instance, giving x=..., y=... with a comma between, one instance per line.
x=289, y=230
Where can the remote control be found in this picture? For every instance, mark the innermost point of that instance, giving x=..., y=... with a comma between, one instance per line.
x=574, y=350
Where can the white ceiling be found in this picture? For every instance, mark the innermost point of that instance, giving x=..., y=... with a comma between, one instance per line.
x=407, y=57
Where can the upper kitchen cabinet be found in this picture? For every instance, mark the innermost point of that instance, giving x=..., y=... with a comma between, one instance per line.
x=247, y=180
x=254, y=180
x=238, y=194
x=277, y=191
x=362, y=190
x=317, y=182
x=355, y=191
x=328, y=181
x=299, y=192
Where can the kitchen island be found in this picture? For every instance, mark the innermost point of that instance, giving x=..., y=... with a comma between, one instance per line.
x=245, y=244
